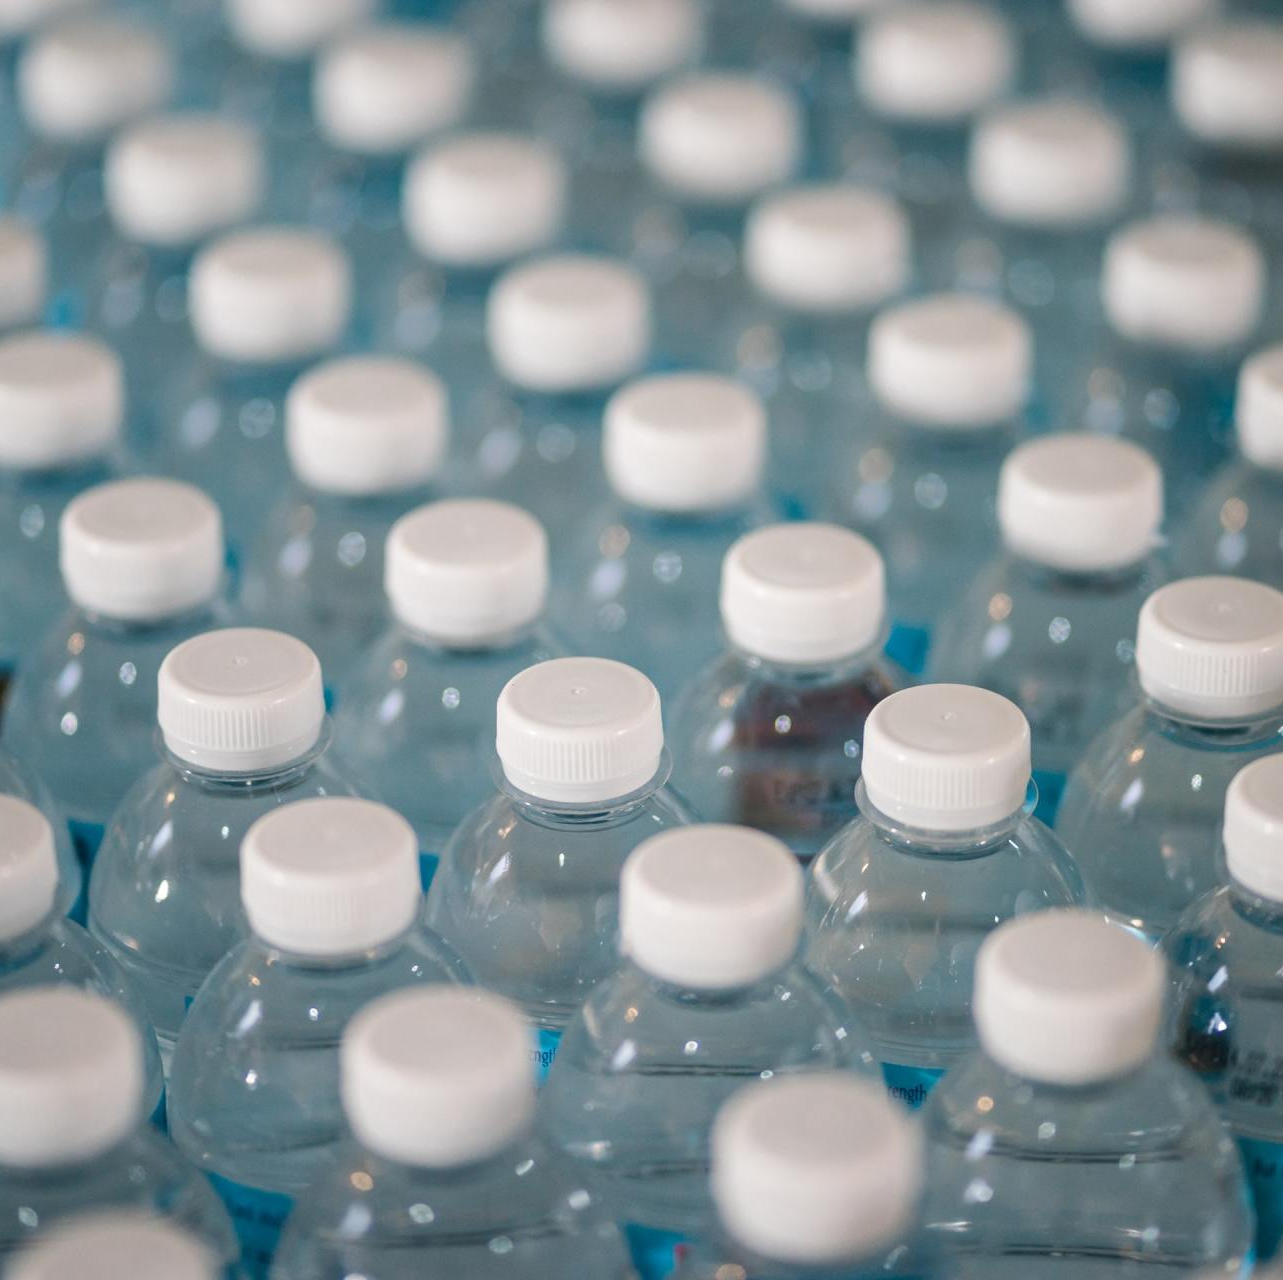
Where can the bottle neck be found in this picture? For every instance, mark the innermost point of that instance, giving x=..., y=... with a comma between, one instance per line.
x=1080, y=581
x=1213, y=734
x=274, y=778
x=198, y=618
x=1263, y=913
x=811, y=675
x=589, y=814
x=498, y=642
x=20, y=947
x=336, y=962
x=966, y=842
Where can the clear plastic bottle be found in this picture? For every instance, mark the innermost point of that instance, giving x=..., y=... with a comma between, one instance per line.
x=365, y=437
x=951, y=380
x=243, y=731
x=1226, y=951
x=143, y=563
x=18, y=781
x=684, y=457
x=440, y=1105
x=710, y=994
x=24, y=272
x=1072, y=1143
x=528, y=887
x=331, y=890
x=466, y=583
x=1050, y=622
x=770, y=734
x=1142, y=808
x=73, y=1131
x=944, y=850
x=116, y=1245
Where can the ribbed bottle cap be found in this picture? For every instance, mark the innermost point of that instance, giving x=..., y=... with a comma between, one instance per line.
x=1190, y=283
x=330, y=876
x=815, y=1169
x=24, y=267
x=803, y=593
x=141, y=550
x=568, y=323
x=720, y=138
x=115, y=1246
x=1138, y=24
x=28, y=867
x=1063, y=997
x=240, y=700
x=579, y=730
x=366, y=425
x=438, y=1077
x=71, y=1076
x=828, y=248
x=710, y=907
x=270, y=294
x=467, y=571
x=936, y=62
x=951, y=361
x=482, y=199
x=1258, y=412
x=1253, y=829
x=685, y=442
x=18, y=17
x=173, y=180
x=620, y=46
x=1212, y=648
x=1081, y=503
x=62, y=399
x=384, y=88
x=1227, y=84
x=293, y=28
x=1050, y=163
x=946, y=757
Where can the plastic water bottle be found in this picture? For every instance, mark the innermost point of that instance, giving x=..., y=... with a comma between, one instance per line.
x=466, y=584
x=944, y=850
x=770, y=734
x=39, y=947
x=143, y=564
x=1142, y=809
x=119, y=1245
x=17, y=781
x=73, y=1131
x=818, y=1175
x=951, y=382
x=1051, y=621
x=440, y=1104
x=528, y=887
x=243, y=731
x=1072, y=1143
x=366, y=436
x=24, y=273
x=331, y=890
x=710, y=994
x=684, y=457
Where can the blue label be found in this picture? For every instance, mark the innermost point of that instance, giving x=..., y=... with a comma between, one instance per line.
x=908, y=646
x=1051, y=786
x=543, y=1051
x=86, y=836
x=655, y=1253
x=910, y=1085
x=1264, y=1164
x=258, y=1217
x=427, y=869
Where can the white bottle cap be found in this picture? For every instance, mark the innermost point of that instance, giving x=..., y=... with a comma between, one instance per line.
x=1212, y=648
x=720, y=138
x=709, y=908
x=1138, y=24
x=330, y=876
x=293, y=28
x=951, y=361
x=1258, y=412
x=815, y=1169
x=71, y=1076
x=1253, y=829
x=366, y=425
x=1049, y=163
x=1065, y=998
x=1081, y=503
x=175, y=179
x=946, y=757
x=240, y=700
x=568, y=323
x=1227, y=84
x=382, y=89
x=685, y=442
x=1190, y=283
x=123, y=1245
x=827, y=248
x=28, y=867
x=803, y=593
x=620, y=46
x=937, y=63
x=467, y=571
x=438, y=1077
x=579, y=730
x=141, y=550
x=62, y=399
x=24, y=269
x=18, y=17
x=482, y=199
x=270, y=295
x=87, y=76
